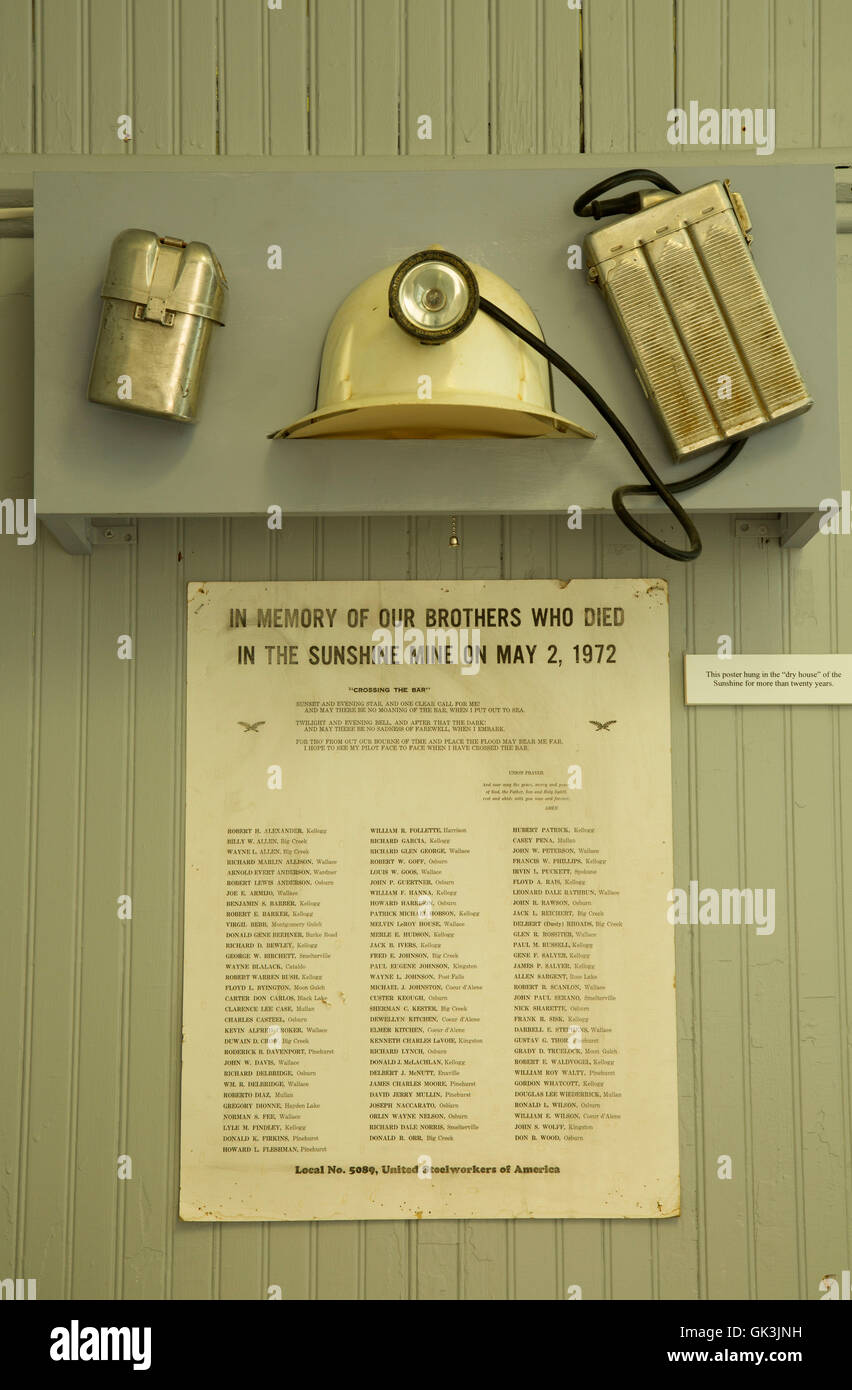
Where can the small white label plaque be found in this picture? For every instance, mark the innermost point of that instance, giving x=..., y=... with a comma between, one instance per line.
x=779, y=679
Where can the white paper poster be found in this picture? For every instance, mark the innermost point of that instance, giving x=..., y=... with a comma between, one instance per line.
x=428, y=967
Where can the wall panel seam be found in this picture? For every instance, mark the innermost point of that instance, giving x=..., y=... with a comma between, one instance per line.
x=78, y=900
x=792, y=927
x=32, y=866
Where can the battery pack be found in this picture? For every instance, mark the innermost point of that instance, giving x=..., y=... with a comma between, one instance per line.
x=706, y=345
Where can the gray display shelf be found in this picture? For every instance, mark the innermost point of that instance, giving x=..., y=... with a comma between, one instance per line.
x=336, y=228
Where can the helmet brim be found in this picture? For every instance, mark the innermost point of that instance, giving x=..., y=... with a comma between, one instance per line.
x=416, y=419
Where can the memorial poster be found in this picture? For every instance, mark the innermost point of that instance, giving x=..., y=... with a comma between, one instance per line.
x=428, y=966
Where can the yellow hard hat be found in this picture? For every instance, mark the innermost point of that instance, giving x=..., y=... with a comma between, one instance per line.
x=454, y=373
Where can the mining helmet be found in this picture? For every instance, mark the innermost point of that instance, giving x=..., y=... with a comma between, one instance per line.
x=451, y=373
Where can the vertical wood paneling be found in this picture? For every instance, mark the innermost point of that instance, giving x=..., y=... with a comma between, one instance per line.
x=561, y=58
x=333, y=69
x=725, y=58
x=125, y=1130
x=59, y=76
x=434, y=558
x=676, y=1242
x=813, y=793
x=629, y=65
x=154, y=935
x=196, y=1245
x=652, y=62
x=530, y=547
x=101, y=1001
x=242, y=118
x=21, y=705
x=694, y=1183
x=485, y=1260
x=471, y=57
x=576, y=549
x=380, y=76
x=773, y=1098
x=516, y=75
x=342, y=547
x=795, y=80
x=386, y=1260
x=718, y=811
x=841, y=547
x=622, y=555
x=107, y=53
x=21, y=585
x=835, y=41
x=535, y=1253
x=19, y=673
x=195, y=113
x=295, y=549
x=16, y=77
x=701, y=52
x=153, y=77
x=389, y=547
x=287, y=45
x=438, y=1260
x=108, y=93
x=749, y=37
x=50, y=1049
x=425, y=88
x=480, y=551
x=608, y=80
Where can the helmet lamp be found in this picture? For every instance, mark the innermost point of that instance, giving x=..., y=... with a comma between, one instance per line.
x=433, y=295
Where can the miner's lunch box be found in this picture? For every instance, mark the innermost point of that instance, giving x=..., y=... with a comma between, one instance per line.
x=161, y=298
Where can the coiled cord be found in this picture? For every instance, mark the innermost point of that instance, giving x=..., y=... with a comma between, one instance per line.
x=588, y=205
x=655, y=485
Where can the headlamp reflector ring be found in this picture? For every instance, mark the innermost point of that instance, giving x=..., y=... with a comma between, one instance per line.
x=433, y=295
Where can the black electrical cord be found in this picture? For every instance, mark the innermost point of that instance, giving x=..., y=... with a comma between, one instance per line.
x=587, y=204
x=656, y=486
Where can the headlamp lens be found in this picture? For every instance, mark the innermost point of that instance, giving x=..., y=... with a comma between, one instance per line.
x=433, y=295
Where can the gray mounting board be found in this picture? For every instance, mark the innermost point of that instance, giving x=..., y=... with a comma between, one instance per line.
x=336, y=228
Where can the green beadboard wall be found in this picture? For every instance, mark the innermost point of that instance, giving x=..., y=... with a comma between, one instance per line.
x=91, y=749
